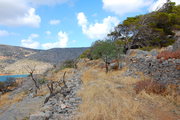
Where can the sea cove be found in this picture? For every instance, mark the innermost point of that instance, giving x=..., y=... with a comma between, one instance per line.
x=5, y=77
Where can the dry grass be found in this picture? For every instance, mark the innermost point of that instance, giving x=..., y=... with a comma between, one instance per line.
x=112, y=97
x=43, y=91
x=104, y=100
x=5, y=100
x=58, y=75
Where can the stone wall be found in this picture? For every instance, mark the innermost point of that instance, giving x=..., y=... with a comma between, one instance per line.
x=167, y=71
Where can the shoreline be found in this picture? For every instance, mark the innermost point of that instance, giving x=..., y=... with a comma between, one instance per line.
x=2, y=74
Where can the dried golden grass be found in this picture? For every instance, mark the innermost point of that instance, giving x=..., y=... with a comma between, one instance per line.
x=43, y=91
x=5, y=100
x=104, y=100
x=57, y=76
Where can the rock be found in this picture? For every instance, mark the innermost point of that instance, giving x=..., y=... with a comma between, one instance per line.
x=31, y=95
x=119, y=86
x=176, y=45
x=159, y=70
x=169, y=48
x=154, y=52
x=39, y=116
x=113, y=66
x=63, y=106
x=121, y=65
x=46, y=108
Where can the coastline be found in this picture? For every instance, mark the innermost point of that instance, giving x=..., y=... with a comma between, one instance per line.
x=2, y=74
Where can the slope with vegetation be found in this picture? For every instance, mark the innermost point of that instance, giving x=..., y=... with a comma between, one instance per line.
x=14, y=59
x=110, y=80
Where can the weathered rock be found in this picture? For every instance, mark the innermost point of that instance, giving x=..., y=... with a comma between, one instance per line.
x=64, y=104
x=164, y=71
x=39, y=116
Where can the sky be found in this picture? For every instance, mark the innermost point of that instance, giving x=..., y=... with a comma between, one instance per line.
x=46, y=24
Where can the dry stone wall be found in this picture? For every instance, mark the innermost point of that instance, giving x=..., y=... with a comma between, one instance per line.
x=167, y=71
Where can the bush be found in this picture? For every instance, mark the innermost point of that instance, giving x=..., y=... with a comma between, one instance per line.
x=169, y=55
x=150, y=87
x=85, y=54
x=148, y=48
x=10, y=82
x=42, y=81
x=101, y=49
x=2, y=86
x=69, y=64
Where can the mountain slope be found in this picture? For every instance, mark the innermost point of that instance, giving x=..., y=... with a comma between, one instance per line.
x=16, y=52
x=57, y=55
x=12, y=56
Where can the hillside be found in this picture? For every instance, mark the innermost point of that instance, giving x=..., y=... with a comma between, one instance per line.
x=134, y=74
x=93, y=94
x=16, y=52
x=13, y=56
x=57, y=55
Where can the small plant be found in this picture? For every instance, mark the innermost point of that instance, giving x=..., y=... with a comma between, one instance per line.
x=42, y=81
x=148, y=48
x=85, y=54
x=150, y=86
x=2, y=86
x=8, y=84
x=169, y=55
x=69, y=64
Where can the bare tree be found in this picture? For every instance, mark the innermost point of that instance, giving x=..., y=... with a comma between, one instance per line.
x=31, y=71
x=53, y=85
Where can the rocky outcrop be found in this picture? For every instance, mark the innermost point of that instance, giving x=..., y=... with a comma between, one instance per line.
x=163, y=71
x=63, y=105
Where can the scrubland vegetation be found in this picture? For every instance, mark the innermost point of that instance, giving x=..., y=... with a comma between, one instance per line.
x=107, y=92
x=113, y=96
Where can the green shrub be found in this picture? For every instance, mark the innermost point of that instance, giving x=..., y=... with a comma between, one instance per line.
x=85, y=54
x=10, y=82
x=42, y=81
x=148, y=48
x=103, y=49
x=69, y=64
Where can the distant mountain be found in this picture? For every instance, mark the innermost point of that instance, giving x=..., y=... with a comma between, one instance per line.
x=12, y=56
x=57, y=55
x=16, y=52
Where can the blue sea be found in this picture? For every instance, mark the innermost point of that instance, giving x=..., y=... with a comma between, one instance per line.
x=4, y=78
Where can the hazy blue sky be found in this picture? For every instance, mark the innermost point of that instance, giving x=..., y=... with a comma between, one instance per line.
x=45, y=24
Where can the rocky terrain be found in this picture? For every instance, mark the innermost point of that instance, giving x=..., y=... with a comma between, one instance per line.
x=88, y=90
x=64, y=105
x=163, y=71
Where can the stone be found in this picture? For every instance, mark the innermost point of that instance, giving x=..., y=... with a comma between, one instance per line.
x=176, y=45
x=113, y=66
x=38, y=116
x=154, y=52
x=119, y=86
x=46, y=108
x=169, y=48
